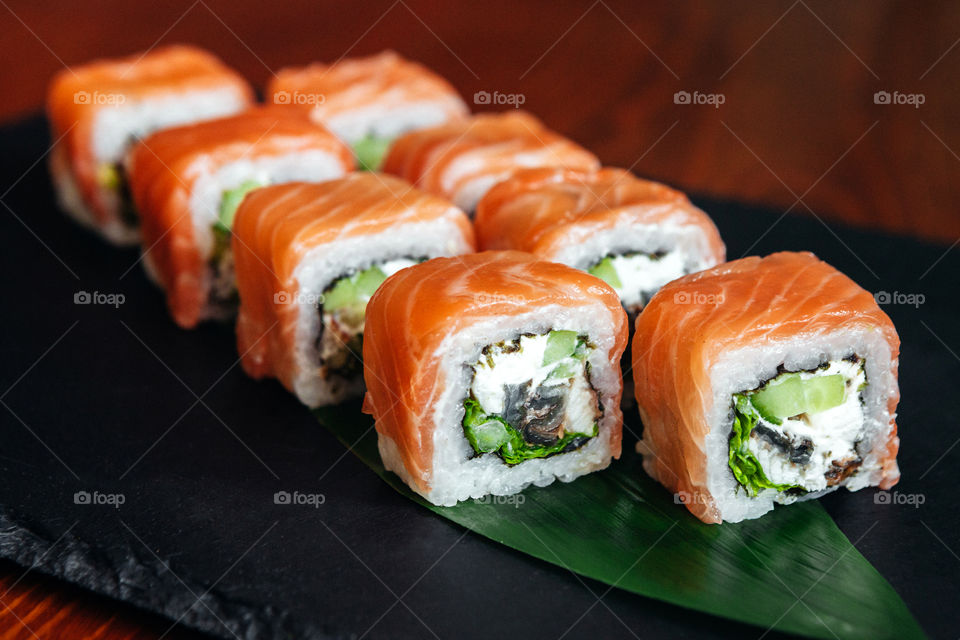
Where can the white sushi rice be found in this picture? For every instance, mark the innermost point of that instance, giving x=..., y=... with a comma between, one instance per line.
x=745, y=369
x=113, y=130
x=326, y=263
x=687, y=250
x=383, y=121
x=457, y=474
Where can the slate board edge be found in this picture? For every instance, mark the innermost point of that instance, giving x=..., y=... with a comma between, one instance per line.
x=132, y=575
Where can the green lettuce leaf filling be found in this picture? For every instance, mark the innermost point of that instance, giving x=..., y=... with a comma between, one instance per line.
x=490, y=433
x=745, y=466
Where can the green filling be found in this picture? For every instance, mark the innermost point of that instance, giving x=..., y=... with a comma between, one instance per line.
x=785, y=396
x=349, y=295
x=560, y=345
x=745, y=466
x=230, y=201
x=606, y=272
x=789, y=395
x=370, y=152
x=488, y=433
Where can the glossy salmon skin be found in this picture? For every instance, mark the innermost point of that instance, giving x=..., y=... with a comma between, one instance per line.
x=413, y=312
x=165, y=167
x=378, y=83
x=693, y=321
x=543, y=210
x=78, y=96
x=461, y=160
x=277, y=226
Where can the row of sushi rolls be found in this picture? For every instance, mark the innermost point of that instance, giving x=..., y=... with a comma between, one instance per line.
x=476, y=279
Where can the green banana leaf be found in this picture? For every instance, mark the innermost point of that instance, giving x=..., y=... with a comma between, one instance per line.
x=792, y=570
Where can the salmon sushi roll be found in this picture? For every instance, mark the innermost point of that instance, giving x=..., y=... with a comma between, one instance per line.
x=635, y=234
x=461, y=160
x=494, y=371
x=187, y=182
x=370, y=101
x=97, y=110
x=309, y=257
x=765, y=381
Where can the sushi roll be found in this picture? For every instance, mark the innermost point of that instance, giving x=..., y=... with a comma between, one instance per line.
x=369, y=101
x=493, y=371
x=461, y=160
x=635, y=234
x=97, y=110
x=187, y=182
x=308, y=258
x=765, y=381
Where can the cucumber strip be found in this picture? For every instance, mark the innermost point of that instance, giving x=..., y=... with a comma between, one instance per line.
x=606, y=272
x=560, y=345
x=790, y=395
x=231, y=200
x=371, y=151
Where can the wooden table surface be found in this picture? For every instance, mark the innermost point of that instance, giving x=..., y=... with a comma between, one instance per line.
x=798, y=126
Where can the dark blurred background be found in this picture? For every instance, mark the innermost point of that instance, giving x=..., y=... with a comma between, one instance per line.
x=848, y=110
x=798, y=81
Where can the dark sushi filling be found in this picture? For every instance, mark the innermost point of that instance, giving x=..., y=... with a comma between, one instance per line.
x=800, y=430
x=113, y=177
x=636, y=276
x=223, y=288
x=532, y=398
x=343, y=315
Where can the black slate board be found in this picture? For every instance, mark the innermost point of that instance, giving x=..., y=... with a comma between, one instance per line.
x=117, y=400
